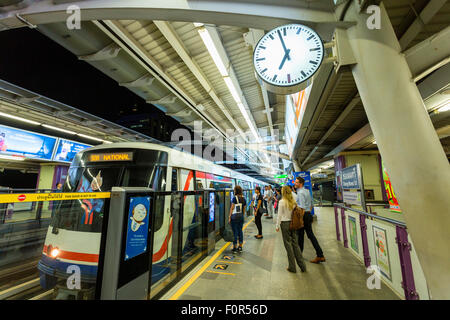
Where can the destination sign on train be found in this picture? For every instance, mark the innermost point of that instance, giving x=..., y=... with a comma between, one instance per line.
x=116, y=156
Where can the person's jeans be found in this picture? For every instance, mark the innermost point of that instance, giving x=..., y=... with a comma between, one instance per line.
x=270, y=208
x=290, y=243
x=307, y=221
x=236, y=226
x=258, y=222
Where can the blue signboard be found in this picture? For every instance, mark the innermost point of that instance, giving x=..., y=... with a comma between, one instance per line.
x=349, y=178
x=138, y=227
x=306, y=175
x=25, y=143
x=212, y=206
x=67, y=149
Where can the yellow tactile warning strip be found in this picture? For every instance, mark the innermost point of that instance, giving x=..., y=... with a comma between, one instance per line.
x=227, y=273
x=203, y=269
x=36, y=197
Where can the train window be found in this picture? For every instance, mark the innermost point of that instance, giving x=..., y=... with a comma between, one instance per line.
x=86, y=215
x=148, y=177
x=174, y=180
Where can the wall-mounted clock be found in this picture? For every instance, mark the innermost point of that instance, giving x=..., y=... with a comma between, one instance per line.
x=287, y=57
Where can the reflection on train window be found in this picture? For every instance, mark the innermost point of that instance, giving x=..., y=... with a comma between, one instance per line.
x=87, y=214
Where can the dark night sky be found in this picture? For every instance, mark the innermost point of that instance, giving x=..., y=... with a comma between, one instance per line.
x=32, y=61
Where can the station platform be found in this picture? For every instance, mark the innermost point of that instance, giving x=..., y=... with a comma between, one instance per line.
x=259, y=272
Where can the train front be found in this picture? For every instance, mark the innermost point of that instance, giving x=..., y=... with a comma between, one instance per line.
x=71, y=250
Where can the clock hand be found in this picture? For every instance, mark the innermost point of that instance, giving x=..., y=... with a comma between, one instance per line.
x=284, y=46
x=284, y=59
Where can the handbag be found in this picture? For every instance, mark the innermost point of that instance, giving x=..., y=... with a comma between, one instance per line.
x=297, y=218
x=237, y=212
x=227, y=233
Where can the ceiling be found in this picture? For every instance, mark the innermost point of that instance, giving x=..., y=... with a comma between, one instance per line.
x=168, y=64
x=340, y=122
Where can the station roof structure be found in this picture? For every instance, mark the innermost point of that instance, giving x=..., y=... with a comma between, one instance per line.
x=201, y=70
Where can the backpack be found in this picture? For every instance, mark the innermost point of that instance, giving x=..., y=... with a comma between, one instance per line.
x=297, y=218
x=237, y=212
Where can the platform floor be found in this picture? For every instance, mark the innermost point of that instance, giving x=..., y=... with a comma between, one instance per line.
x=259, y=272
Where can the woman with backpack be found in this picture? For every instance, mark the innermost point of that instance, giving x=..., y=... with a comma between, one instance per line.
x=236, y=218
x=290, y=240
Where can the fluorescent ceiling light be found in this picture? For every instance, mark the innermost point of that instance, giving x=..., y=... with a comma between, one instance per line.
x=104, y=141
x=89, y=137
x=207, y=40
x=232, y=89
x=58, y=129
x=445, y=107
x=198, y=24
x=374, y=142
x=7, y=157
x=18, y=118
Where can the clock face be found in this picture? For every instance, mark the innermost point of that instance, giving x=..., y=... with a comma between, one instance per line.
x=288, y=55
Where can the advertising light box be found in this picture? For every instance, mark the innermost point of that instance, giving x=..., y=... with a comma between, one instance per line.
x=25, y=143
x=67, y=150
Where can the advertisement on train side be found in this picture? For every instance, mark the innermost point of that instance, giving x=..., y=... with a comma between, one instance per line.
x=27, y=144
x=138, y=228
x=67, y=149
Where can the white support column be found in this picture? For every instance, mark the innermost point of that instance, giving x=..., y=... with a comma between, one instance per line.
x=408, y=143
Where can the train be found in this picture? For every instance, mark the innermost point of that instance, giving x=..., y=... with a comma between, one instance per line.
x=74, y=234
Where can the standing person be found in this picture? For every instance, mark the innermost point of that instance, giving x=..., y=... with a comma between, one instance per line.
x=304, y=201
x=290, y=240
x=270, y=199
x=265, y=201
x=236, y=218
x=258, y=212
x=56, y=203
x=277, y=199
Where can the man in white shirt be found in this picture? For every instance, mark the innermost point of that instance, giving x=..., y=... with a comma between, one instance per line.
x=269, y=195
x=304, y=201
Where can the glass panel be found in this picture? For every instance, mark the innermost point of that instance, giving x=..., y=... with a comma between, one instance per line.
x=72, y=245
x=220, y=196
x=165, y=266
x=193, y=242
x=19, y=211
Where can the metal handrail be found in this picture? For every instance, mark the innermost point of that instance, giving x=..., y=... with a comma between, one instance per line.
x=395, y=222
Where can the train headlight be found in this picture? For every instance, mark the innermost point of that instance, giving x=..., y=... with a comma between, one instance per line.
x=54, y=252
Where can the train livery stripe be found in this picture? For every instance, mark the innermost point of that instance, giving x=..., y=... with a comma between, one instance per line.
x=158, y=255
x=75, y=256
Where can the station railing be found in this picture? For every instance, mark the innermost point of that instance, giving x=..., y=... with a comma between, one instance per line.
x=383, y=245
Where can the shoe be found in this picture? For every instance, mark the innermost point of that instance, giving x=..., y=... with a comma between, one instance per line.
x=266, y=215
x=318, y=260
x=291, y=270
x=258, y=237
x=234, y=250
x=239, y=249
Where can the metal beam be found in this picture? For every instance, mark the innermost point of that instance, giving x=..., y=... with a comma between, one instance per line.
x=429, y=55
x=341, y=118
x=167, y=31
x=109, y=52
x=424, y=17
x=261, y=14
x=318, y=105
x=362, y=133
x=120, y=36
